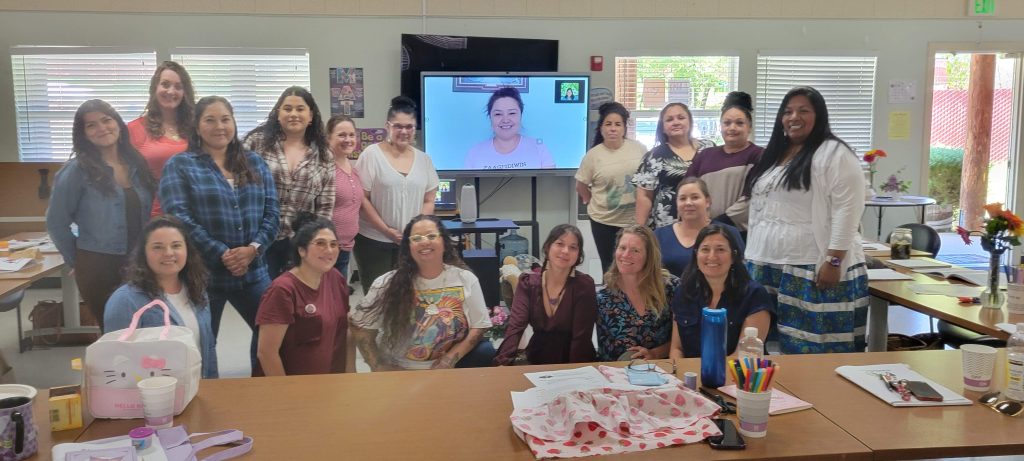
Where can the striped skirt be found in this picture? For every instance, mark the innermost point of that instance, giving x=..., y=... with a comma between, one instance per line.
x=810, y=320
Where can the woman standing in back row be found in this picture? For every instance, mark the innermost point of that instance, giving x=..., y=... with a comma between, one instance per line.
x=399, y=183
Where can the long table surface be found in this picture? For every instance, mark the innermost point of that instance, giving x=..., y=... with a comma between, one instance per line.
x=904, y=433
x=50, y=264
x=428, y=415
x=970, y=316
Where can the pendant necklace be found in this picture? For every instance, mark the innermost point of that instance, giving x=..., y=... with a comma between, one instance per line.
x=553, y=301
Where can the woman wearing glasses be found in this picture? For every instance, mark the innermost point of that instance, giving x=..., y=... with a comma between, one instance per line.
x=399, y=182
x=718, y=279
x=303, y=316
x=427, y=313
x=633, y=318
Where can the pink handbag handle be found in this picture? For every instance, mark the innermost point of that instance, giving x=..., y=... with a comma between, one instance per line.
x=138, y=315
x=232, y=436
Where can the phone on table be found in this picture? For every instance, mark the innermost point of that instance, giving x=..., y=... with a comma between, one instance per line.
x=924, y=392
x=730, y=438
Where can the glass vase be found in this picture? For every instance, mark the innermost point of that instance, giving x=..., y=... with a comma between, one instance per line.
x=991, y=296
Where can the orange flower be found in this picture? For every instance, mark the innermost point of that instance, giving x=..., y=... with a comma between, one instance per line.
x=1013, y=222
x=873, y=155
x=994, y=209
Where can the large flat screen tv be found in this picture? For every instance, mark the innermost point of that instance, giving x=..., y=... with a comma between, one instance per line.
x=546, y=135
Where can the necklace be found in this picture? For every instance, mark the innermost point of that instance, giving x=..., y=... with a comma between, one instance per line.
x=432, y=308
x=172, y=133
x=553, y=301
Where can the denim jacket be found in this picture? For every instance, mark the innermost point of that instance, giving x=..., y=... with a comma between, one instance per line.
x=100, y=217
x=128, y=298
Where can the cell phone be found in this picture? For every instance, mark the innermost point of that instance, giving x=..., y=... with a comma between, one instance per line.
x=730, y=439
x=923, y=391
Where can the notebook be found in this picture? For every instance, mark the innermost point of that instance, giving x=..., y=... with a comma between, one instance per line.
x=867, y=377
x=917, y=263
x=972, y=276
x=887, y=274
x=781, y=402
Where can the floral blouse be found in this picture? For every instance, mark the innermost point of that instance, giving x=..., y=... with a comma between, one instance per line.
x=660, y=171
x=620, y=327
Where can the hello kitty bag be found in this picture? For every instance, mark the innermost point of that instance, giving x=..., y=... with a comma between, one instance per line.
x=120, y=359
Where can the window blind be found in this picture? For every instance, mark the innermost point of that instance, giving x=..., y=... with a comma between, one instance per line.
x=51, y=82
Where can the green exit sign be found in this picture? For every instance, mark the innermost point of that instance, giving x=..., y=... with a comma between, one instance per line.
x=981, y=7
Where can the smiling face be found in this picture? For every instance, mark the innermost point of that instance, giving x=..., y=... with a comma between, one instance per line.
x=321, y=253
x=735, y=128
x=692, y=204
x=505, y=118
x=613, y=128
x=564, y=252
x=630, y=254
x=714, y=256
x=425, y=243
x=294, y=115
x=166, y=252
x=169, y=90
x=101, y=129
x=798, y=119
x=401, y=129
x=342, y=139
x=216, y=126
x=676, y=122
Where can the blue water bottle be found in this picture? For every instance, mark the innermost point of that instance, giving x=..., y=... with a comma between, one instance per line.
x=713, y=324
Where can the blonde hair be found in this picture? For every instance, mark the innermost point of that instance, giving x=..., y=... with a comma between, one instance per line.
x=652, y=276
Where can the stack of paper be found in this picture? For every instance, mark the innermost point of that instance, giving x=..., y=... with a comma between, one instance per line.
x=551, y=383
x=13, y=265
x=869, y=378
x=917, y=263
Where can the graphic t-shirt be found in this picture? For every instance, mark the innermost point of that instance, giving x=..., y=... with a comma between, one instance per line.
x=609, y=174
x=529, y=153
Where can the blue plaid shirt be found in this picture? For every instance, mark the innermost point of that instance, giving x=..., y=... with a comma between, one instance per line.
x=220, y=216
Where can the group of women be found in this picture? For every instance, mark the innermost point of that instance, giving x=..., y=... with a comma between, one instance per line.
x=188, y=213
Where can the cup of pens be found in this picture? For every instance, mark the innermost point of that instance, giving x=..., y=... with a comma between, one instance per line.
x=753, y=379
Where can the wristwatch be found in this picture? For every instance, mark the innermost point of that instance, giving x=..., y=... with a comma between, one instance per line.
x=256, y=246
x=835, y=261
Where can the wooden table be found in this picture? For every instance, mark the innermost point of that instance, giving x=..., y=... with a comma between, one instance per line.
x=45, y=438
x=904, y=433
x=427, y=415
x=970, y=316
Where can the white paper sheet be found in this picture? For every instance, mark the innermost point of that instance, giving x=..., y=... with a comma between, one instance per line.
x=583, y=376
x=867, y=377
x=887, y=274
x=945, y=289
x=13, y=265
x=917, y=263
x=868, y=246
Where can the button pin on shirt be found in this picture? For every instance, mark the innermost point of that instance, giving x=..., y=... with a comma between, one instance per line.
x=310, y=309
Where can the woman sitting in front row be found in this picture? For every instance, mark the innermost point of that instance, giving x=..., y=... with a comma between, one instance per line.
x=166, y=265
x=633, y=318
x=717, y=278
x=693, y=205
x=303, y=316
x=427, y=313
x=558, y=303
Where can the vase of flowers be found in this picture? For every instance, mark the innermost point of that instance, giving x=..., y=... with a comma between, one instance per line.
x=499, y=321
x=1002, y=230
x=870, y=158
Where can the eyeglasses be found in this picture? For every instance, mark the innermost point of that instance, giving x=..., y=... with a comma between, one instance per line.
x=325, y=244
x=417, y=238
x=409, y=127
x=1006, y=407
x=643, y=365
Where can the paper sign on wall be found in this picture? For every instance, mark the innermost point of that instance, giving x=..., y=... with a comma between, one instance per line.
x=902, y=91
x=899, y=125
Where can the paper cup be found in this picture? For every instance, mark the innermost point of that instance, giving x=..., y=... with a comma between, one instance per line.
x=1015, y=298
x=158, y=401
x=752, y=409
x=979, y=365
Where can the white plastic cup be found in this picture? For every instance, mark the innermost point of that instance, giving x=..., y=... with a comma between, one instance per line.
x=158, y=401
x=1015, y=298
x=979, y=366
x=752, y=409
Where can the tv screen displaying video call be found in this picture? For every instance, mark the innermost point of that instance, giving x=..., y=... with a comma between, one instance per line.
x=486, y=122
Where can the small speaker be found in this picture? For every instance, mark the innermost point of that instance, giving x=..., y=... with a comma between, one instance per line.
x=467, y=204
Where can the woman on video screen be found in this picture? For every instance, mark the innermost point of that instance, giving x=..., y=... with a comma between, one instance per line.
x=508, y=149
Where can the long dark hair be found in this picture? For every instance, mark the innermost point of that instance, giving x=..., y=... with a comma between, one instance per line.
x=97, y=172
x=306, y=225
x=186, y=108
x=556, y=233
x=694, y=286
x=193, y=275
x=798, y=173
x=314, y=136
x=236, y=161
x=659, y=134
x=398, y=296
x=604, y=111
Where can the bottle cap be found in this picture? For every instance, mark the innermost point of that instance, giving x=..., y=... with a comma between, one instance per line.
x=750, y=332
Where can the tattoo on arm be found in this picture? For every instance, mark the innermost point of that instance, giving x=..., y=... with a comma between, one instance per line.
x=366, y=341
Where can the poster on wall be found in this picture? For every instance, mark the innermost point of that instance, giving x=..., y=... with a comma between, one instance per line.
x=367, y=137
x=347, y=91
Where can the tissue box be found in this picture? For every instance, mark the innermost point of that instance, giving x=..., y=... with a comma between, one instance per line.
x=65, y=408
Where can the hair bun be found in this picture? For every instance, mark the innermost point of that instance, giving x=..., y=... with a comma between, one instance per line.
x=740, y=99
x=609, y=106
x=301, y=219
x=402, y=102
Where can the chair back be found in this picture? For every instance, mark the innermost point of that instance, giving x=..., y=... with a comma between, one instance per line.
x=924, y=238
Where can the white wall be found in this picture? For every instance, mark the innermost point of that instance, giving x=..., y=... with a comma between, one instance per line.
x=373, y=43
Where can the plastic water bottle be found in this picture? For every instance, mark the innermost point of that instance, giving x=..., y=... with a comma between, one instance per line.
x=1015, y=365
x=750, y=345
x=713, y=324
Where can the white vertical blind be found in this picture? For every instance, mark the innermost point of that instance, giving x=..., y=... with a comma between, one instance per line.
x=846, y=82
x=252, y=79
x=51, y=82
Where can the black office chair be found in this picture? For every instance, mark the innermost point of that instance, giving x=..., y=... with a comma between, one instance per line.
x=924, y=238
x=955, y=336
